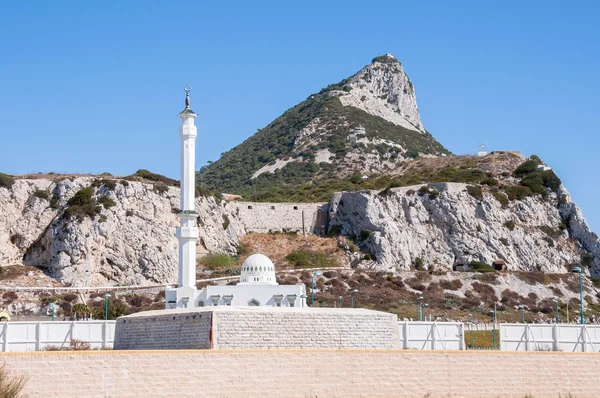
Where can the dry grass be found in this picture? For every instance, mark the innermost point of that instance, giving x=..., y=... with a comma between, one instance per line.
x=483, y=339
x=11, y=384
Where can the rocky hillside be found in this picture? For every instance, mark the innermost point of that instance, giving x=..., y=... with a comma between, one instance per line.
x=367, y=123
x=439, y=212
x=89, y=231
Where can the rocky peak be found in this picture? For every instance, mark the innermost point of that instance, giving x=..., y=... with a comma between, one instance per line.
x=383, y=89
x=368, y=123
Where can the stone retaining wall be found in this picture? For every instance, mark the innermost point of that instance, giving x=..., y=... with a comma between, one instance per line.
x=224, y=327
x=295, y=373
x=166, y=331
x=317, y=329
x=309, y=218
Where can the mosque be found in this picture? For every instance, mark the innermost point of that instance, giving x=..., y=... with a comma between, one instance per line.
x=258, y=285
x=256, y=313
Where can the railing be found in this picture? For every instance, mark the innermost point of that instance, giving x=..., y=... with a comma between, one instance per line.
x=38, y=336
x=432, y=335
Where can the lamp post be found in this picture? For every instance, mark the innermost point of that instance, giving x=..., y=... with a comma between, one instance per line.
x=352, y=297
x=472, y=333
x=313, y=286
x=106, y=297
x=419, y=307
x=423, y=311
x=340, y=298
x=555, y=301
x=578, y=269
x=52, y=307
x=303, y=297
x=522, y=308
x=493, y=327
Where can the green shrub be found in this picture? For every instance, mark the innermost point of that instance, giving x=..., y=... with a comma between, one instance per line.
x=529, y=166
x=310, y=259
x=129, y=213
x=492, y=182
x=424, y=190
x=217, y=261
x=411, y=154
x=109, y=184
x=225, y=221
x=510, y=224
x=106, y=202
x=365, y=234
x=6, y=181
x=478, y=266
x=517, y=192
x=243, y=249
x=504, y=241
x=587, y=259
x=419, y=264
x=553, y=233
x=502, y=199
x=82, y=197
x=160, y=187
x=54, y=201
x=39, y=193
x=82, y=205
x=562, y=226
x=147, y=175
x=475, y=191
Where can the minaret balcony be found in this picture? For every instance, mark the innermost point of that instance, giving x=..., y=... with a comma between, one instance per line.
x=187, y=233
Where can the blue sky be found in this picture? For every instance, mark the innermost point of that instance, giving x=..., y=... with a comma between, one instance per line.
x=88, y=87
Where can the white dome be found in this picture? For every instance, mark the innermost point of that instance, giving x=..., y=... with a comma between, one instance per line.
x=258, y=269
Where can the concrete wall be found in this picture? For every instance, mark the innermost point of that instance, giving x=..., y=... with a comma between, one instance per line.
x=335, y=373
x=175, y=330
x=257, y=328
x=281, y=217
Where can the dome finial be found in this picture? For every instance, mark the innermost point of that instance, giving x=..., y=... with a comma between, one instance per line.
x=187, y=90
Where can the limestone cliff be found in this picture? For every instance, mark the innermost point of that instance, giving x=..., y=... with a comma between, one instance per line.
x=130, y=242
x=128, y=237
x=446, y=225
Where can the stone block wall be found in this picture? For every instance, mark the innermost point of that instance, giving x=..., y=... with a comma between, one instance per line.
x=309, y=218
x=164, y=331
x=245, y=328
x=302, y=329
x=306, y=373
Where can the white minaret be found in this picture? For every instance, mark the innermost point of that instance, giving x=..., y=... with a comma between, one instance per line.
x=187, y=233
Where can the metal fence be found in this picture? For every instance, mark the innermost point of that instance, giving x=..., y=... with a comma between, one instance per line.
x=556, y=337
x=432, y=335
x=37, y=336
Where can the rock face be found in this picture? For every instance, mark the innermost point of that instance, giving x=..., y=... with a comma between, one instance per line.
x=383, y=89
x=131, y=241
x=455, y=227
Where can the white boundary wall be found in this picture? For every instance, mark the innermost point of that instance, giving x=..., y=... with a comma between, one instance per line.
x=555, y=337
x=36, y=336
x=432, y=335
